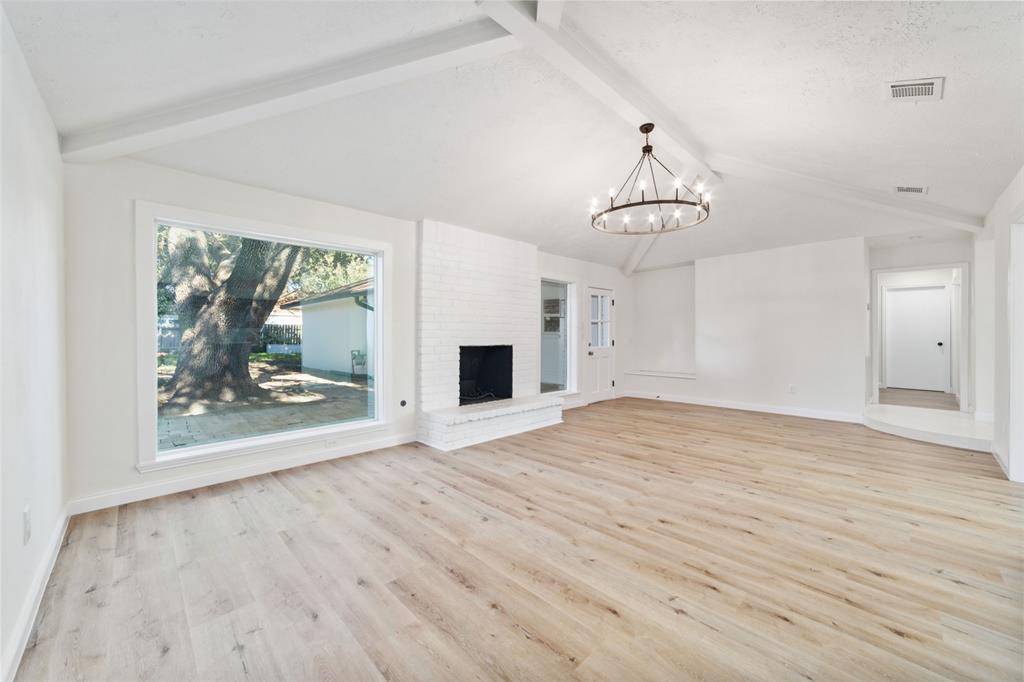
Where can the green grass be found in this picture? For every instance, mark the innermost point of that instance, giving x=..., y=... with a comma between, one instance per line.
x=170, y=360
x=280, y=357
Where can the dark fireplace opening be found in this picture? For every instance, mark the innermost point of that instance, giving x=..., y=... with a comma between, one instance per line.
x=485, y=374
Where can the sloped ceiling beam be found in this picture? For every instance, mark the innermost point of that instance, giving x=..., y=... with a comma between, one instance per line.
x=643, y=244
x=393, y=64
x=908, y=207
x=602, y=80
x=549, y=12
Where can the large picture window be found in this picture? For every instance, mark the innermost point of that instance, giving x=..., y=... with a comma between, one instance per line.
x=258, y=336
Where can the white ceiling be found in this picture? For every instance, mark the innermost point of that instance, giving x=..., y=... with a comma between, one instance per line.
x=803, y=86
x=509, y=145
x=97, y=62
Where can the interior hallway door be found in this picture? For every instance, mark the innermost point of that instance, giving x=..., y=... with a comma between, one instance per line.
x=917, y=339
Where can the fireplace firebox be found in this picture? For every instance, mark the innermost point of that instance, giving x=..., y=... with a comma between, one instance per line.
x=485, y=374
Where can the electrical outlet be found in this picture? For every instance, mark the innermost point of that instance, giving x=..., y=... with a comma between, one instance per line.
x=792, y=389
x=26, y=525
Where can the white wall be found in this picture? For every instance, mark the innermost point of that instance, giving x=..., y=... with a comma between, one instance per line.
x=102, y=410
x=781, y=330
x=665, y=301
x=584, y=274
x=32, y=347
x=914, y=254
x=1007, y=210
x=331, y=330
x=983, y=318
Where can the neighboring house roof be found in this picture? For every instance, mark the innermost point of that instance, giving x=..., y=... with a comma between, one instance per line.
x=360, y=288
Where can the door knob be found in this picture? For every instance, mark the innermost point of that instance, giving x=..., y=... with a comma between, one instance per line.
x=940, y=343
x=590, y=352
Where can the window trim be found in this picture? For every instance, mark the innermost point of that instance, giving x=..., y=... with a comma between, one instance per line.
x=149, y=458
x=571, y=340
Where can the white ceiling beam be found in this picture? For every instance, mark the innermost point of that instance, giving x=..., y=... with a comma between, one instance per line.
x=602, y=80
x=549, y=12
x=376, y=69
x=636, y=256
x=643, y=244
x=910, y=207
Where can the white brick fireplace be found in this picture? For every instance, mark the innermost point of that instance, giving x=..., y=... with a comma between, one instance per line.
x=476, y=289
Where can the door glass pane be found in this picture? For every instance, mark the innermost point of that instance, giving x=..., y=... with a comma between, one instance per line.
x=595, y=307
x=256, y=337
x=595, y=334
x=554, y=337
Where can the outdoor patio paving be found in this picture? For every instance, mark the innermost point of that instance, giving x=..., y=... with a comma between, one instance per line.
x=301, y=400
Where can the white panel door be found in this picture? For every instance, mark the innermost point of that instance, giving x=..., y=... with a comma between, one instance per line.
x=917, y=339
x=600, y=363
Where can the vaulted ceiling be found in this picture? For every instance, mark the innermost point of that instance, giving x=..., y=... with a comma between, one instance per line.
x=787, y=102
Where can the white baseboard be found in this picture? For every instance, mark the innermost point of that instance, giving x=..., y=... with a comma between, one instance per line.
x=828, y=415
x=984, y=417
x=179, y=484
x=14, y=648
x=998, y=457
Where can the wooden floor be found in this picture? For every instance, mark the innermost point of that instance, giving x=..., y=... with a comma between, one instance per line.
x=638, y=540
x=936, y=400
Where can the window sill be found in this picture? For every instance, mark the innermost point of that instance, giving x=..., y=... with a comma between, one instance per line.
x=327, y=436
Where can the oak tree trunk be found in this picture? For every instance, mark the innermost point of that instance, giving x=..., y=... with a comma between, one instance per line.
x=213, y=362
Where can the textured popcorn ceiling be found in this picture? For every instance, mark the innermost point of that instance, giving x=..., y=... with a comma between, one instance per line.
x=509, y=145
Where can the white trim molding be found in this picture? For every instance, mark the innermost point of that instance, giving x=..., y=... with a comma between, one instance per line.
x=14, y=647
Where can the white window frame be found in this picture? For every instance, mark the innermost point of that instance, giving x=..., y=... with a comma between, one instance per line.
x=147, y=216
x=572, y=340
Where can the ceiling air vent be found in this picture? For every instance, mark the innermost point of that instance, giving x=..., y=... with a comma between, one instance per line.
x=916, y=90
x=906, y=189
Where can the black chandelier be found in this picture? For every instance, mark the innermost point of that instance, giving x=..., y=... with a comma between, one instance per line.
x=680, y=208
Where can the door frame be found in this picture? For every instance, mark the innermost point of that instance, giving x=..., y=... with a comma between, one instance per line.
x=947, y=289
x=593, y=396
x=963, y=377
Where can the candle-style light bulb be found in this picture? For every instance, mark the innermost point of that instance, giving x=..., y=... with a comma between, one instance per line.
x=643, y=185
x=650, y=218
x=611, y=191
x=676, y=214
x=625, y=218
x=677, y=183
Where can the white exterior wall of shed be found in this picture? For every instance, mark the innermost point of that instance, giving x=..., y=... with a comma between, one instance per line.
x=331, y=330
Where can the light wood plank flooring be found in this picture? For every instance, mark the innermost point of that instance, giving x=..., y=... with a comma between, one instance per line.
x=935, y=400
x=639, y=540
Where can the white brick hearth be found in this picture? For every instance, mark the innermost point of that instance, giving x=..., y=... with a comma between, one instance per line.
x=476, y=289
